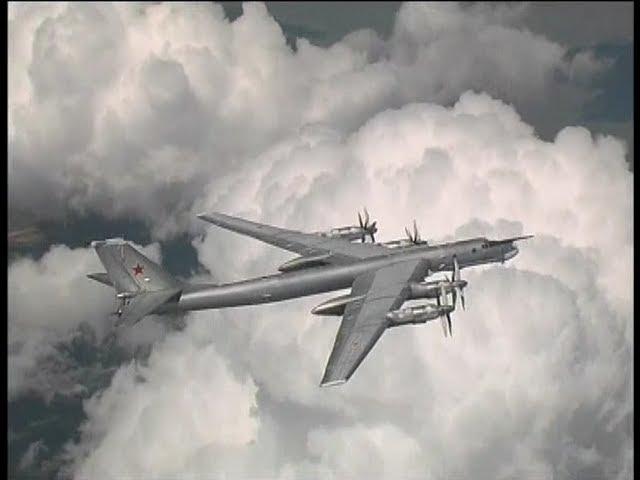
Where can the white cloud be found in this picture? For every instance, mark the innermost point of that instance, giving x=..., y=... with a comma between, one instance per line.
x=48, y=300
x=185, y=379
x=196, y=113
x=134, y=118
x=541, y=358
x=422, y=157
x=380, y=451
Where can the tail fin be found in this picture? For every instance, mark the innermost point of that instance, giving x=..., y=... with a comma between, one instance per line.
x=130, y=271
x=141, y=284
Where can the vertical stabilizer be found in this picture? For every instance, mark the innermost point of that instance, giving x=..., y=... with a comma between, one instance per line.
x=142, y=285
x=129, y=270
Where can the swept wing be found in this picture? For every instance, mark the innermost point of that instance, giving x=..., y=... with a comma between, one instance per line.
x=364, y=319
x=305, y=244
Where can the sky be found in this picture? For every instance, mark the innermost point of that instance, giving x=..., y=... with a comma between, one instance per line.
x=473, y=119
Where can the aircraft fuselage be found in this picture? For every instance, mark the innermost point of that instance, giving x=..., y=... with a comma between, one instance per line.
x=321, y=279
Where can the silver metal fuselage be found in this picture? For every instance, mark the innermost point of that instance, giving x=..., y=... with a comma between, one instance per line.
x=321, y=279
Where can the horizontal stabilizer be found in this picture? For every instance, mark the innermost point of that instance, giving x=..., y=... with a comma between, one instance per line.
x=101, y=277
x=142, y=286
x=145, y=303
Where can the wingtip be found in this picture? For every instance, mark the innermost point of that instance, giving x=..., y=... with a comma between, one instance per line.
x=333, y=383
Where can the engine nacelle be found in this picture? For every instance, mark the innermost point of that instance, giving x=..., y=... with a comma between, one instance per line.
x=417, y=314
x=352, y=232
x=403, y=242
x=300, y=263
x=398, y=243
x=424, y=290
x=335, y=306
x=433, y=289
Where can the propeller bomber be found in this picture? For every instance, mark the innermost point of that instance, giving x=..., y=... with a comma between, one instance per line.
x=381, y=278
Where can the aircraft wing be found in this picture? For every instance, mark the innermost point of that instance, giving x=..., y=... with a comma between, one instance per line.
x=364, y=320
x=305, y=244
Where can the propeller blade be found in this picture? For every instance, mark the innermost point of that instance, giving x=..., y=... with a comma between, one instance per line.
x=449, y=322
x=444, y=326
x=373, y=239
x=360, y=220
x=453, y=291
x=416, y=235
x=406, y=230
x=457, y=280
x=443, y=293
x=456, y=269
x=366, y=217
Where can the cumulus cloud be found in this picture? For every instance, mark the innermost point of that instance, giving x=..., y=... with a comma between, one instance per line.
x=417, y=158
x=541, y=359
x=50, y=303
x=140, y=395
x=378, y=451
x=130, y=109
x=189, y=112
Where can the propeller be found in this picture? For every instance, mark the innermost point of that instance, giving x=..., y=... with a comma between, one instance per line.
x=458, y=283
x=447, y=314
x=366, y=227
x=415, y=238
x=443, y=324
x=455, y=285
x=443, y=294
x=453, y=291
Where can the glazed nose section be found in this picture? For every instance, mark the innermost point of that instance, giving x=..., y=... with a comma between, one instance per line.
x=511, y=252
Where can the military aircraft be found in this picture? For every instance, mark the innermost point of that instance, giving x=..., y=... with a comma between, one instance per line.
x=381, y=276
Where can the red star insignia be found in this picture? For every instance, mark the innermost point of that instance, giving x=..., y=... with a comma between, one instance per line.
x=138, y=269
